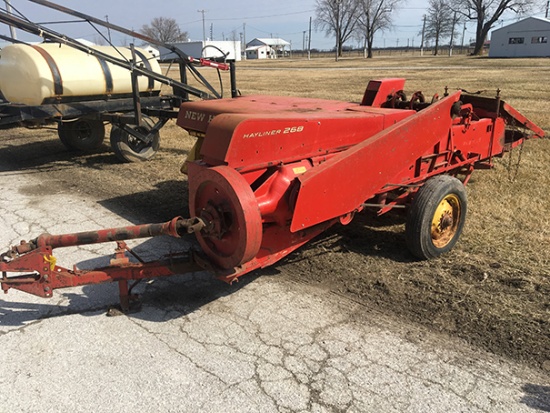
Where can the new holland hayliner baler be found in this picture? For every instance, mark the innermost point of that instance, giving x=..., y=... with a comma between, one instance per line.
x=274, y=172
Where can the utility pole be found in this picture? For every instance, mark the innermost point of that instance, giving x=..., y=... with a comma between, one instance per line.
x=304, y=43
x=243, y=52
x=309, y=41
x=545, y=15
x=108, y=29
x=211, y=31
x=203, y=26
x=462, y=42
x=452, y=36
x=422, y=40
x=14, y=34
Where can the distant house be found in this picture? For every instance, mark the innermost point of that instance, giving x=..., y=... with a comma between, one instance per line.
x=267, y=48
x=261, y=52
x=525, y=38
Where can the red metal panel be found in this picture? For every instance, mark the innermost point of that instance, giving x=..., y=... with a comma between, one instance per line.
x=378, y=90
x=242, y=140
x=197, y=115
x=522, y=120
x=341, y=184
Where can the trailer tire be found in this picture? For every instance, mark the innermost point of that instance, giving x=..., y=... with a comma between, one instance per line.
x=82, y=134
x=127, y=148
x=436, y=217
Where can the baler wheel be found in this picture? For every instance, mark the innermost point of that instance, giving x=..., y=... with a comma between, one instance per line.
x=436, y=217
x=128, y=148
x=226, y=203
x=82, y=134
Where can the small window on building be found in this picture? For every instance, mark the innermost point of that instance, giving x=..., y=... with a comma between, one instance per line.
x=516, y=40
x=540, y=39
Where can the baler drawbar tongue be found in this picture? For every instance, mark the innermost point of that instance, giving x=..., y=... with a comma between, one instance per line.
x=42, y=275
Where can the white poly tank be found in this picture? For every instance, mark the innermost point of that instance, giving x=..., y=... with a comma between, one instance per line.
x=50, y=72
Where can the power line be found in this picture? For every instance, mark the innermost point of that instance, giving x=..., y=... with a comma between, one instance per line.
x=263, y=17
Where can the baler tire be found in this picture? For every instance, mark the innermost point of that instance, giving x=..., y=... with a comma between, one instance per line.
x=436, y=217
x=127, y=148
x=83, y=134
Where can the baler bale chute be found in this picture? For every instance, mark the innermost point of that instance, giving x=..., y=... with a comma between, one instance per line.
x=274, y=172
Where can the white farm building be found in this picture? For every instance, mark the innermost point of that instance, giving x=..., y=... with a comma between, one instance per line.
x=209, y=49
x=266, y=48
x=525, y=38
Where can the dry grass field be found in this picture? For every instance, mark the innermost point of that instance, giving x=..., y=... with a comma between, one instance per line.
x=492, y=290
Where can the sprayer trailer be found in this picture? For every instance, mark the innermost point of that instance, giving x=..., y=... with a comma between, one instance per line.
x=274, y=172
x=82, y=88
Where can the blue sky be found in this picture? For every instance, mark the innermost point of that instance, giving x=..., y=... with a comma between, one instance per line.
x=229, y=18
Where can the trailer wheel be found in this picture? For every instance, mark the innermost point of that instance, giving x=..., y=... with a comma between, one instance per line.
x=436, y=217
x=82, y=134
x=129, y=148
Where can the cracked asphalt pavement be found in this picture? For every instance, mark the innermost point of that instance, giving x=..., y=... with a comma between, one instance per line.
x=266, y=344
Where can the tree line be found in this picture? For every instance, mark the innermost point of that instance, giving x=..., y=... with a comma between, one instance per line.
x=346, y=19
x=362, y=19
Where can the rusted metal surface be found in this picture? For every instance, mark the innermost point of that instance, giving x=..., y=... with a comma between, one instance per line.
x=44, y=275
x=175, y=228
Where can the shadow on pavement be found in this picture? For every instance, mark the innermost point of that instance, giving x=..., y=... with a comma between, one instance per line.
x=536, y=397
x=167, y=200
x=176, y=295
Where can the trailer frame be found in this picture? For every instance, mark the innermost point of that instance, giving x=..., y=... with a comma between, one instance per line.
x=130, y=114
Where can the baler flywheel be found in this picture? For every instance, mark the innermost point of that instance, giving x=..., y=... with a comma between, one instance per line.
x=224, y=201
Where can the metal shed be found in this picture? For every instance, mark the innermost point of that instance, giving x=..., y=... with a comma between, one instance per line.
x=525, y=38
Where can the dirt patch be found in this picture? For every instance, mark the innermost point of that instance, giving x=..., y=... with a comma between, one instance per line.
x=492, y=290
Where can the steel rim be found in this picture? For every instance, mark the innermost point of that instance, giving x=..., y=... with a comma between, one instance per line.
x=83, y=131
x=445, y=221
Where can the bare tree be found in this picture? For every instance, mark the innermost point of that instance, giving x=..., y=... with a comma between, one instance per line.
x=100, y=41
x=373, y=16
x=337, y=17
x=486, y=13
x=165, y=30
x=439, y=22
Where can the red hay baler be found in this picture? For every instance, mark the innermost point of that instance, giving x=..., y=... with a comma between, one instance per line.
x=274, y=172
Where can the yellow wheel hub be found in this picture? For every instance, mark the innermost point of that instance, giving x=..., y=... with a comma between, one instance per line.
x=445, y=221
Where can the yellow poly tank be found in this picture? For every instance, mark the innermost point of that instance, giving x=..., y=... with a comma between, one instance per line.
x=52, y=72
